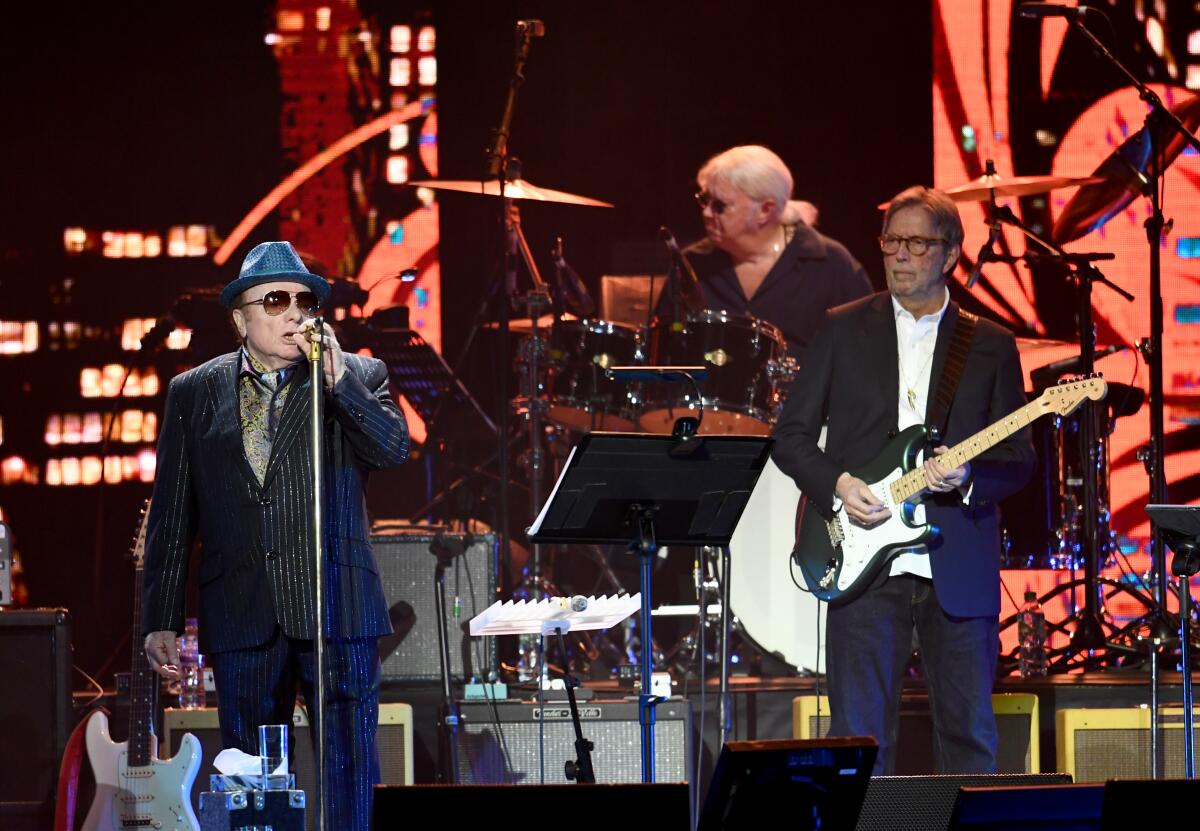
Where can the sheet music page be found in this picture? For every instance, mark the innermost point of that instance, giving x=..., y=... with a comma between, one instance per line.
x=537, y=523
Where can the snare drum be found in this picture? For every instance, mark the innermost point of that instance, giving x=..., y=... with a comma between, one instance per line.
x=581, y=397
x=744, y=358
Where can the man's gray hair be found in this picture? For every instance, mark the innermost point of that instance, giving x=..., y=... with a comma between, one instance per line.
x=941, y=209
x=754, y=170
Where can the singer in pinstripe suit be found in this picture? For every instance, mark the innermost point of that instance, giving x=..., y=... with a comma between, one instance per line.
x=235, y=468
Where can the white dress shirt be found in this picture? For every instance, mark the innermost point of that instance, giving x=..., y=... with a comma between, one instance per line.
x=915, y=340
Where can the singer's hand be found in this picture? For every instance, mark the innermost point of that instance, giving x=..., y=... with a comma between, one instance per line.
x=162, y=650
x=334, y=361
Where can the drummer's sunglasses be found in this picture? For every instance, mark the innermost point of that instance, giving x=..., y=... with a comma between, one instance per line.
x=279, y=301
x=706, y=200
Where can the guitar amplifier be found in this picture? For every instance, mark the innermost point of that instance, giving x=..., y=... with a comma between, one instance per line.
x=35, y=713
x=393, y=741
x=504, y=743
x=1114, y=743
x=1017, y=750
x=406, y=568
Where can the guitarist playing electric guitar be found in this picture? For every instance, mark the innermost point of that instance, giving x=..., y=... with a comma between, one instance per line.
x=876, y=368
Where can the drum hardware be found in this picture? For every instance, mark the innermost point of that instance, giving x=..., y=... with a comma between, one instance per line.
x=745, y=359
x=1138, y=167
x=1088, y=634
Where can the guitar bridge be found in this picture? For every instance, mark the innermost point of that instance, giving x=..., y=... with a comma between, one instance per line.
x=836, y=535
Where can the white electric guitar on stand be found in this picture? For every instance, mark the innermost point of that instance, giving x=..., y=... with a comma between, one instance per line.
x=134, y=788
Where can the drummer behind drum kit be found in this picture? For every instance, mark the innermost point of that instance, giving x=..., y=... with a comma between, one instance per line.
x=748, y=373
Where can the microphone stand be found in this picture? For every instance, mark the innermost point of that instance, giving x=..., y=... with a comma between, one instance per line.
x=1158, y=121
x=445, y=552
x=578, y=769
x=317, y=420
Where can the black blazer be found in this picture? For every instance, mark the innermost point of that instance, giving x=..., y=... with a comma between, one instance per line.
x=256, y=571
x=851, y=378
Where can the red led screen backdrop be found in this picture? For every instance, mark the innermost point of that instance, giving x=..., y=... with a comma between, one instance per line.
x=1032, y=97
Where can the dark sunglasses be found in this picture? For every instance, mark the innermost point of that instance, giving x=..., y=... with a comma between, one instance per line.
x=706, y=200
x=279, y=301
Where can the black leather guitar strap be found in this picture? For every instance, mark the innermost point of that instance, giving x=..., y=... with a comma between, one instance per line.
x=938, y=415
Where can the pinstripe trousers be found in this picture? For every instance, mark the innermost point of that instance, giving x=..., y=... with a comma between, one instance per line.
x=257, y=686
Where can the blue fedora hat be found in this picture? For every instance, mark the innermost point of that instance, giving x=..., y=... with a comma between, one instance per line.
x=271, y=262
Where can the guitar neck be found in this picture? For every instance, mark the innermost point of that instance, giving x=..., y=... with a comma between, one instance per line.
x=913, y=482
x=143, y=689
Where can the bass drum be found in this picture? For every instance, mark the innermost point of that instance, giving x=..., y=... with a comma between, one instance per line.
x=773, y=612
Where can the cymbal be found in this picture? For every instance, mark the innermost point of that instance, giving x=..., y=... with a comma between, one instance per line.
x=979, y=190
x=1123, y=176
x=522, y=324
x=516, y=189
x=1034, y=344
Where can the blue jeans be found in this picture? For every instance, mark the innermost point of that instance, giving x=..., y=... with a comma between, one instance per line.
x=867, y=646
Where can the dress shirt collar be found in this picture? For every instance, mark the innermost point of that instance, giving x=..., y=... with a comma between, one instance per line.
x=936, y=317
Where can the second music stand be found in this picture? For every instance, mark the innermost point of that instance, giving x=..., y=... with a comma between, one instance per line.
x=646, y=491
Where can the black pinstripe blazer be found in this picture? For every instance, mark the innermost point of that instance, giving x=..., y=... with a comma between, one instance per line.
x=256, y=570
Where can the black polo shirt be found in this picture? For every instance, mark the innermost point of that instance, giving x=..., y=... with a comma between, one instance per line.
x=814, y=273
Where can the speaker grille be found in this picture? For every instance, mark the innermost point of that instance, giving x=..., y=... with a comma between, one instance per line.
x=926, y=802
x=1101, y=755
x=406, y=568
x=612, y=726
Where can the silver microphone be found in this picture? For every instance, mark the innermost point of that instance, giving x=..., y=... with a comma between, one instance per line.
x=579, y=603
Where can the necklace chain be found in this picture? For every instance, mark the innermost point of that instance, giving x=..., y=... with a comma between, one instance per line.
x=910, y=393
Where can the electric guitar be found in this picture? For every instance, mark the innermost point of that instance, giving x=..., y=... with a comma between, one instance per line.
x=134, y=788
x=840, y=558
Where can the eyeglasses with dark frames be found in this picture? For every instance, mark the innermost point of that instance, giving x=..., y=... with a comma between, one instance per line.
x=917, y=246
x=706, y=200
x=279, y=301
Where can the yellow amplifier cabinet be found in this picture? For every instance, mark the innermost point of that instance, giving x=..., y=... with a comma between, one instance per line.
x=1095, y=745
x=1016, y=719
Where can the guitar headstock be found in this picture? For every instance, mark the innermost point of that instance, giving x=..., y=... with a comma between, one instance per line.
x=138, y=550
x=1066, y=396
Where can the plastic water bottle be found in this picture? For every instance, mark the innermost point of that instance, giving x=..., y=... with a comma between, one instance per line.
x=1031, y=629
x=191, y=669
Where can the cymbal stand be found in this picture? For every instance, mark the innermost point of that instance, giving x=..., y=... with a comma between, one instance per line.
x=1088, y=634
x=498, y=160
x=1160, y=122
x=535, y=300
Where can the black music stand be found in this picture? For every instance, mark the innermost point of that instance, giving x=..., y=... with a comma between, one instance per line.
x=646, y=491
x=423, y=377
x=1179, y=526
